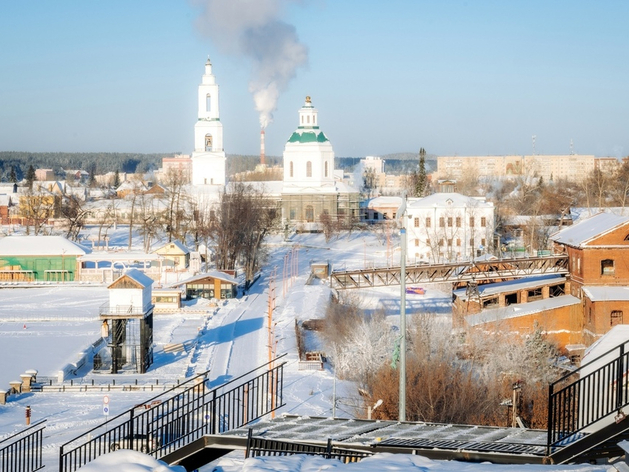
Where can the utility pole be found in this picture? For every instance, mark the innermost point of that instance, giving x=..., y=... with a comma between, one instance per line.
x=402, y=400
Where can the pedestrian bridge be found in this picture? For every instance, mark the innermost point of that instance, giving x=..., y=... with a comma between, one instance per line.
x=490, y=270
x=192, y=425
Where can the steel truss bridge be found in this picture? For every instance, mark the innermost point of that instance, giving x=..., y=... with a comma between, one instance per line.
x=478, y=271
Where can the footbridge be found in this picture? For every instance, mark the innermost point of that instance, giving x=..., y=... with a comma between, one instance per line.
x=495, y=270
x=194, y=425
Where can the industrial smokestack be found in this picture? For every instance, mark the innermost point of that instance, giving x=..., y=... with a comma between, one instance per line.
x=262, y=146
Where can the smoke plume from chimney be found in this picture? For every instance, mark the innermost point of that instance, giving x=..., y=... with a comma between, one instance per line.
x=253, y=29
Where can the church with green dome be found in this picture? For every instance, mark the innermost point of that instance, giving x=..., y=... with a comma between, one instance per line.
x=310, y=191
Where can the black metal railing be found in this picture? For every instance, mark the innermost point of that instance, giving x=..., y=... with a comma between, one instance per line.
x=179, y=416
x=22, y=452
x=271, y=447
x=587, y=395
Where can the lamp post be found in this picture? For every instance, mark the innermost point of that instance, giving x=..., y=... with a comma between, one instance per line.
x=402, y=405
x=402, y=387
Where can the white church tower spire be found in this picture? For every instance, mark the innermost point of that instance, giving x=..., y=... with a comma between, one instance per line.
x=208, y=158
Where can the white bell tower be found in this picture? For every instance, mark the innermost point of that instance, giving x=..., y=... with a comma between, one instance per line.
x=208, y=158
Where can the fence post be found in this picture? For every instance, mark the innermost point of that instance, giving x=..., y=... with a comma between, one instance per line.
x=61, y=469
x=214, y=421
x=131, y=429
x=619, y=375
x=550, y=418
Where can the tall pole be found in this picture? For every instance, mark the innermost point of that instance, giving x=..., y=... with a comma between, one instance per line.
x=402, y=406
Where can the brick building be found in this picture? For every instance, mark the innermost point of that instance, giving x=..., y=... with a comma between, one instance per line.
x=598, y=251
x=574, y=310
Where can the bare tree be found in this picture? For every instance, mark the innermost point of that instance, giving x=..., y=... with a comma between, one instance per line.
x=75, y=214
x=175, y=199
x=241, y=220
x=37, y=207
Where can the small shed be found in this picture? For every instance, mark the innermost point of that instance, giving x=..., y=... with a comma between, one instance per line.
x=321, y=270
x=127, y=324
x=213, y=284
x=167, y=300
x=176, y=255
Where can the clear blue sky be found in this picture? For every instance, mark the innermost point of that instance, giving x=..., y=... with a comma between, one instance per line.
x=465, y=77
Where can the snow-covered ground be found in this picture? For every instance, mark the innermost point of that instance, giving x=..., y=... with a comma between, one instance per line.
x=228, y=340
x=130, y=461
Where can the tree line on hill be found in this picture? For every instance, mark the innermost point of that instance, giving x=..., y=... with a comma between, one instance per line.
x=14, y=164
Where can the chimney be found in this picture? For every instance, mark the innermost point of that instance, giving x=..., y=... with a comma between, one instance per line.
x=262, y=146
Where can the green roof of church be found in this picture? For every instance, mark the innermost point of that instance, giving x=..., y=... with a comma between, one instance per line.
x=308, y=137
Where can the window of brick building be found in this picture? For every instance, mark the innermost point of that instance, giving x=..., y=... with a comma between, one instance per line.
x=471, y=221
x=442, y=222
x=607, y=267
x=428, y=222
x=615, y=317
x=458, y=221
x=416, y=222
x=483, y=221
x=449, y=222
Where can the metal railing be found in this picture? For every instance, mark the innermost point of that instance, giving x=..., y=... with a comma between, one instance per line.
x=22, y=452
x=587, y=395
x=271, y=447
x=121, y=310
x=175, y=418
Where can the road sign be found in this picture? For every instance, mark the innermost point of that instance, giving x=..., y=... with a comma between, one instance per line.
x=106, y=405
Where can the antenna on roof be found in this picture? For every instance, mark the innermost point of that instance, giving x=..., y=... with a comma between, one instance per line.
x=534, y=144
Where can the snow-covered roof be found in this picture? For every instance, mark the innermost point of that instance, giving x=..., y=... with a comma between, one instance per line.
x=379, y=202
x=513, y=285
x=5, y=200
x=521, y=309
x=270, y=188
x=447, y=199
x=39, y=246
x=137, y=276
x=215, y=274
x=178, y=244
x=616, y=336
x=606, y=292
x=335, y=188
x=120, y=256
x=581, y=232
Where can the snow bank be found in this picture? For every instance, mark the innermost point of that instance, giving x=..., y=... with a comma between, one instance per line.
x=129, y=461
x=384, y=462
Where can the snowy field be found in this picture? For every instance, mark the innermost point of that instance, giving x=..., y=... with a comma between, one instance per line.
x=227, y=340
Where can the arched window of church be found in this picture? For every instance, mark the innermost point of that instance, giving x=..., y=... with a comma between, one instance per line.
x=309, y=213
x=302, y=119
x=208, y=103
x=291, y=168
x=314, y=120
x=308, y=169
x=308, y=119
x=326, y=168
x=208, y=142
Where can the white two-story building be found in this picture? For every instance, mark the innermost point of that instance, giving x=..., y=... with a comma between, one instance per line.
x=448, y=227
